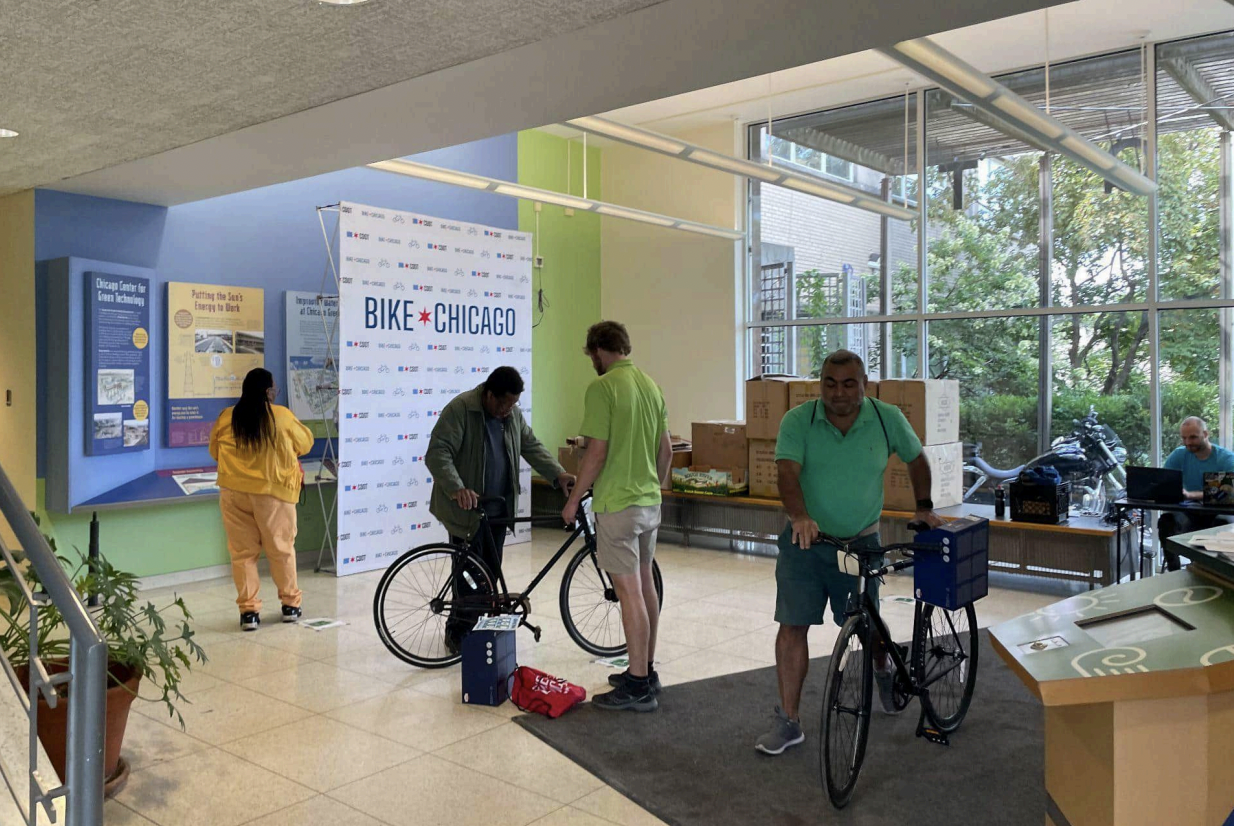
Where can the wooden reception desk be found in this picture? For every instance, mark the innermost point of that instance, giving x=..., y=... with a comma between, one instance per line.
x=1137, y=681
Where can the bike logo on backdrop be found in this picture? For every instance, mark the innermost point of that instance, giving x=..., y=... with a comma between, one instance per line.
x=398, y=219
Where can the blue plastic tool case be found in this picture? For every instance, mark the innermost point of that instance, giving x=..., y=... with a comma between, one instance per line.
x=488, y=661
x=959, y=574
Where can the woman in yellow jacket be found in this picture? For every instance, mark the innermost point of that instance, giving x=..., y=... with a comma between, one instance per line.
x=256, y=444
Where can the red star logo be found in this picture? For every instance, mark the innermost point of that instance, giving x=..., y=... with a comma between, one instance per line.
x=425, y=316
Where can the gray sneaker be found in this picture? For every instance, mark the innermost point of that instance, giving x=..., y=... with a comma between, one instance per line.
x=784, y=733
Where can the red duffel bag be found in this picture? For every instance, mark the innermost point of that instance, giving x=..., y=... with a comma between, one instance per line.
x=533, y=690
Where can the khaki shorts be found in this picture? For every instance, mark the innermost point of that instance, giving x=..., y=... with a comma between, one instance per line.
x=626, y=539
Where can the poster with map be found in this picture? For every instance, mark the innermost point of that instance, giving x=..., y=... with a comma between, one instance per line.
x=312, y=358
x=215, y=335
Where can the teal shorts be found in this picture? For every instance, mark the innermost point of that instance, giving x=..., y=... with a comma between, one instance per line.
x=807, y=580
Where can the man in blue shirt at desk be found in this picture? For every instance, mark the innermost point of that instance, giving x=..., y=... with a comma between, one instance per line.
x=1196, y=457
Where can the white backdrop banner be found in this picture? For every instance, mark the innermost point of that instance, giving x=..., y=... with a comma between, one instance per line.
x=428, y=308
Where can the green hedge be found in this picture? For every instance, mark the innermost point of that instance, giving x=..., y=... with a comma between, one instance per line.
x=1007, y=425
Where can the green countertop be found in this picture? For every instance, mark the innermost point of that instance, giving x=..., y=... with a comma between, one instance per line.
x=1070, y=665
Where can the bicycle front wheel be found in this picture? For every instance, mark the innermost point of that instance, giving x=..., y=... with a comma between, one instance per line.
x=590, y=610
x=847, y=699
x=418, y=596
x=945, y=662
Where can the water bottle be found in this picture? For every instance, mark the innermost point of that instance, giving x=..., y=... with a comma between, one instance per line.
x=1000, y=502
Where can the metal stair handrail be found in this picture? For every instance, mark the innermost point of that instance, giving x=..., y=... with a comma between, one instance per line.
x=82, y=789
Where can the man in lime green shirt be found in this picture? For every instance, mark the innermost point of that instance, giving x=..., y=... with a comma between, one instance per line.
x=831, y=454
x=627, y=457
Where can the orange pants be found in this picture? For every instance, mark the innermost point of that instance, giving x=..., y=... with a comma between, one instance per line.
x=257, y=522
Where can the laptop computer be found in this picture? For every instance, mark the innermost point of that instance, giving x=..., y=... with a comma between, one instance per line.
x=1219, y=489
x=1151, y=484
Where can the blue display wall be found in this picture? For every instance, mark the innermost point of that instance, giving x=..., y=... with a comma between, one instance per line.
x=268, y=237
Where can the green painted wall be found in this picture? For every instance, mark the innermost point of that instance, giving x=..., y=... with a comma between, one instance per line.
x=166, y=538
x=570, y=280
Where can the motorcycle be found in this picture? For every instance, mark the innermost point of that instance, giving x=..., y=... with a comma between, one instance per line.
x=1091, y=457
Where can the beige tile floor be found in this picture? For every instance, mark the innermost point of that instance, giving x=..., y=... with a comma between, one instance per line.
x=293, y=727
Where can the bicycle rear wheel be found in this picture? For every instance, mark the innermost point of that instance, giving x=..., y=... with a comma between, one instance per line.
x=416, y=598
x=847, y=699
x=590, y=610
x=945, y=662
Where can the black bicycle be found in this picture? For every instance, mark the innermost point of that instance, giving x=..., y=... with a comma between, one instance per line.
x=430, y=586
x=941, y=667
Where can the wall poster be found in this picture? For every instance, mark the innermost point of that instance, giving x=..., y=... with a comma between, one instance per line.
x=312, y=364
x=117, y=363
x=215, y=335
x=428, y=308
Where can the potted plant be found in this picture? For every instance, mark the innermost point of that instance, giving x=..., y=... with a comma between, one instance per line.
x=143, y=642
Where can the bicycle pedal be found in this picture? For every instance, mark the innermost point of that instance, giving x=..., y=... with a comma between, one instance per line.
x=931, y=734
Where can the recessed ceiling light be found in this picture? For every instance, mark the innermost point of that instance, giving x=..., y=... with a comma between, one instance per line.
x=7, y=133
x=341, y=2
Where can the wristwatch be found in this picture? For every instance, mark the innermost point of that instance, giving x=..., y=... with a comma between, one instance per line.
x=925, y=504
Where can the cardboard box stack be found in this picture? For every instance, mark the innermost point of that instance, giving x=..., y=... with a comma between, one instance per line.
x=764, y=476
x=719, y=462
x=932, y=408
x=682, y=457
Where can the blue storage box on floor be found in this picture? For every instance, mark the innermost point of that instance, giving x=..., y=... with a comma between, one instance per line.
x=488, y=662
x=960, y=575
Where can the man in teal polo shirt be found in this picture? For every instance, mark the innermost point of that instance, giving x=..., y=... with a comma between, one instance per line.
x=831, y=455
x=627, y=456
x=1194, y=458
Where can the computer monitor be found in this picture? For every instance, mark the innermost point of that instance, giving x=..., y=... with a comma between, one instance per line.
x=1150, y=484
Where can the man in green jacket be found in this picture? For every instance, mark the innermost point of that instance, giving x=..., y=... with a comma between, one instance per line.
x=473, y=454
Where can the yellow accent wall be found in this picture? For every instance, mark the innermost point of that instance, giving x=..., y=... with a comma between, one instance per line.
x=677, y=292
x=17, y=344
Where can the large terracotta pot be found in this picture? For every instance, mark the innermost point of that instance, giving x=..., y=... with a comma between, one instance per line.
x=53, y=724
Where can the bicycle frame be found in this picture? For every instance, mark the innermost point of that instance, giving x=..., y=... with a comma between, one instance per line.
x=864, y=604
x=583, y=528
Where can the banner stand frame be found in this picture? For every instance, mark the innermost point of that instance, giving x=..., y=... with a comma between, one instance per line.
x=329, y=504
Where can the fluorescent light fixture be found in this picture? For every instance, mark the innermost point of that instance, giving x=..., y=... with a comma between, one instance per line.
x=7, y=133
x=631, y=134
x=932, y=56
x=543, y=196
x=613, y=211
x=819, y=189
x=1023, y=111
x=433, y=173
x=413, y=169
x=1090, y=155
x=342, y=2
x=1012, y=114
x=810, y=184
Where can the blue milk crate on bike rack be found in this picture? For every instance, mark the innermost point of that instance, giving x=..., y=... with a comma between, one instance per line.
x=488, y=662
x=960, y=573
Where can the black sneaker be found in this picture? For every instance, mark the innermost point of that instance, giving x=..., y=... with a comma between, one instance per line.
x=291, y=614
x=627, y=697
x=250, y=621
x=653, y=678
